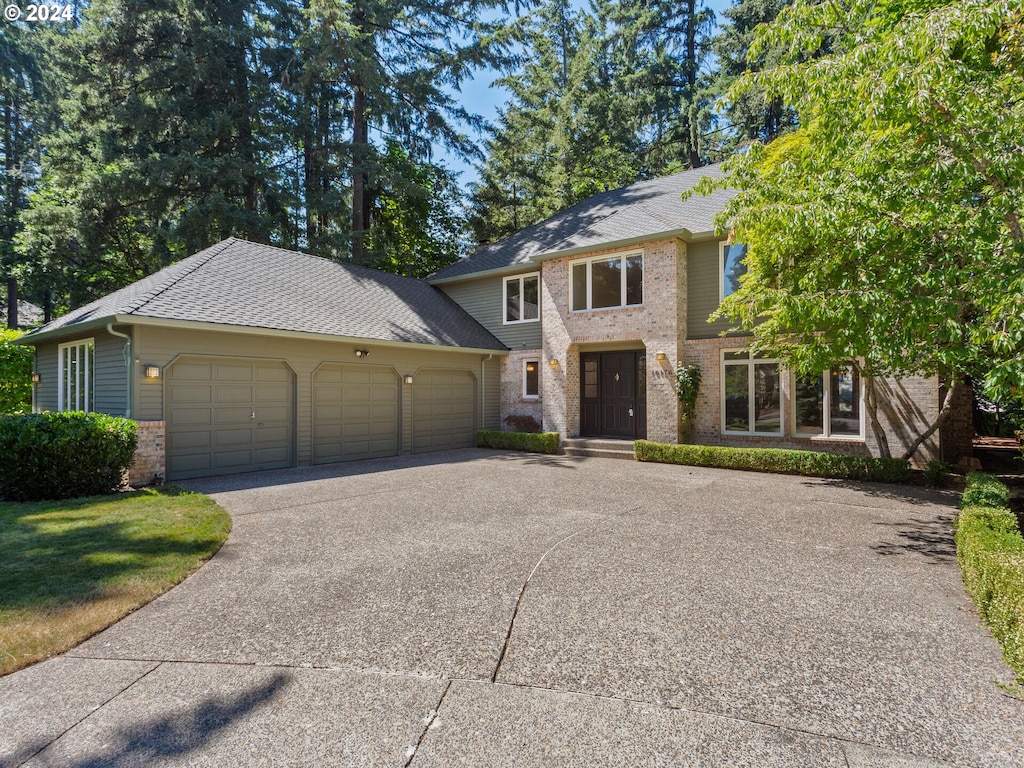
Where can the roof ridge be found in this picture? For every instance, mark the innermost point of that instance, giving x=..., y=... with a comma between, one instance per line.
x=153, y=293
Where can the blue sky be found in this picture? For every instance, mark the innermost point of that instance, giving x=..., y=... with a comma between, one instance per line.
x=481, y=97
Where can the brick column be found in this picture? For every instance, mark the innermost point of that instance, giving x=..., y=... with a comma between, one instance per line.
x=150, y=458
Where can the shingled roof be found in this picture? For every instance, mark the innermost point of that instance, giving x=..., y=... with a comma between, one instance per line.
x=631, y=214
x=238, y=283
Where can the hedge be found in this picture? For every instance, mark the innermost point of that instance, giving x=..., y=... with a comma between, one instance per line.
x=64, y=455
x=542, y=442
x=990, y=550
x=777, y=460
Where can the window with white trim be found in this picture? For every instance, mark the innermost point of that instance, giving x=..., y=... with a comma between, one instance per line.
x=829, y=404
x=75, y=376
x=731, y=267
x=531, y=379
x=751, y=394
x=606, y=282
x=522, y=299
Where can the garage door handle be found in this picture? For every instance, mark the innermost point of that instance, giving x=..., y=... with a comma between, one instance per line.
x=253, y=415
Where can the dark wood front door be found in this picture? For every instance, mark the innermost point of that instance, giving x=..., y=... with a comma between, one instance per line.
x=613, y=394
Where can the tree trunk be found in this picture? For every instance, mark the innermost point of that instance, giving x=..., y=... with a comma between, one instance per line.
x=871, y=401
x=12, y=303
x=944, y=410
x=360, y=202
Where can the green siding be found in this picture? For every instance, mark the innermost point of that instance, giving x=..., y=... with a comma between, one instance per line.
x=108, y=370
x=483, y=299
x=702, y=290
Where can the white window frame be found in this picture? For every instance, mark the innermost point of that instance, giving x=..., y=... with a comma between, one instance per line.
x=722, y=249
x=521, y=279
x=622, y=287
x=750, y=362
x=85, y=354
x=826, y=406
x=527, y=395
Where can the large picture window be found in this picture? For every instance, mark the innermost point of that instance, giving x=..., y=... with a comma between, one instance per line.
x=607, y=282
x=75, y=376
x=829, y=403
x=522, y=299
x=751, y=394
x=732, y=267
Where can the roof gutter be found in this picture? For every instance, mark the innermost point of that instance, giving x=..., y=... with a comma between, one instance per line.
x=127, y=368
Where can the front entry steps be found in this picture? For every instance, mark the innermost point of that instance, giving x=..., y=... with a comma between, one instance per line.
x=598, y=447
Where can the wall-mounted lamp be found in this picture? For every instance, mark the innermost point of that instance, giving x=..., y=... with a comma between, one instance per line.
x=408, y=379
x=553, y=362
x=152, y=371
x=35, y=378
x=661, y=357
x=362, y=353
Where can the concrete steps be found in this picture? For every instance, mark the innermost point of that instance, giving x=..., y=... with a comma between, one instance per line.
x=600, y=448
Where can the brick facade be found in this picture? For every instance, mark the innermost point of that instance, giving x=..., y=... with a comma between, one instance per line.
x=150, y=457
x=906, y=407
x=658, y=326
x=513, y=403
x=957, y=432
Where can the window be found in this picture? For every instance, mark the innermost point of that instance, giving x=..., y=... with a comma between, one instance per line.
x=75, y=376
x=751, y=394
x=531, y=378
x=732, y=267
x=607, y=282
x=828, y=404
x=522, y=298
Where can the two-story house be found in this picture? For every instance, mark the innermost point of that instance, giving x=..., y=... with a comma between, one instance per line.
x=246, y=357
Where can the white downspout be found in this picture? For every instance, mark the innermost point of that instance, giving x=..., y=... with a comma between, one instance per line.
x=127, y=368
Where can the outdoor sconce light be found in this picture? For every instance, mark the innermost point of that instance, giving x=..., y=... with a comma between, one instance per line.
x=661, y=357
x=553, y=362
x=152, y=371
x=35, y=378
x=362, y=353
x=408, y=379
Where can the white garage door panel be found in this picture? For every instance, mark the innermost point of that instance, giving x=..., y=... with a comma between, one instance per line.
x=228, y=416
x=444, y=404
x=355, y=413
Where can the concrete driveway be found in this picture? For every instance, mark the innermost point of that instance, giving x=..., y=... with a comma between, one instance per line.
x=484, y=609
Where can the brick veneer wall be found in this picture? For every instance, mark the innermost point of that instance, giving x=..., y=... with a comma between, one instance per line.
x=150, y=458
x=658, y=326
x=957, y=432
x=906, y=408
x=512, y=401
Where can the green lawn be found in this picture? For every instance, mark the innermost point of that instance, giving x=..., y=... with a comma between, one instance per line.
x=71, y=568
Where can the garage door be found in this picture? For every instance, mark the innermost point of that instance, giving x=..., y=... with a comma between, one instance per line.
x=444, y=404
x=355, y=413
x=226, y=415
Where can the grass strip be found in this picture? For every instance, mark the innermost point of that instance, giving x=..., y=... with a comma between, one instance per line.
x=72, y=568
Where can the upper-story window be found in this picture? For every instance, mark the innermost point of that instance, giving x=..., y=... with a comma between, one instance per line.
x=75, y=376
x=608, y=281
x=731, y=267
x=522, y=298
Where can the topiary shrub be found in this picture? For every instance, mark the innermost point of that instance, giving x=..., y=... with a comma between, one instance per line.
x=545, y=442
x=64, y=455
x=777, y=460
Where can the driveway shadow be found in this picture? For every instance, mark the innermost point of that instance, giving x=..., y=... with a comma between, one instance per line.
x=930, y=537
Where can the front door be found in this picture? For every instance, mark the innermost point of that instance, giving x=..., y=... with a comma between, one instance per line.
x=613, y=394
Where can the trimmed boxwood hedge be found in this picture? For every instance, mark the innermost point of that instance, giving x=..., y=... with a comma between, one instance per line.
x=542, y=442
x=990, y=550
x=64, y=455
x=777, y=460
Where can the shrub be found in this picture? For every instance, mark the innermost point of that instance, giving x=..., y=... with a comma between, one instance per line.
x=777, y=460
x=990, y=550
x=522, y=422
x=64, y=455
x=936, y=474
x=544, y=442
x=15, y=374
x=983, y=490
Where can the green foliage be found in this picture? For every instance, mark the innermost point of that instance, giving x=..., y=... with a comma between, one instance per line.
x=15, y=374
x=544, y=442
x=777, y=460
x=990, y=551
x=64, y=455
x=984, y=490
x=687, y=389
x=936, y=473
x=887, y=228
x=522, y=422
